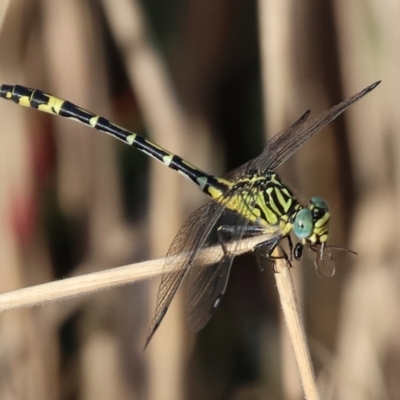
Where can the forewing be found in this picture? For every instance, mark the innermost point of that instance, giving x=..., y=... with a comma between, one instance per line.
x=181, y=253
x=240, y=171
x=208, y=281
x=287, y=142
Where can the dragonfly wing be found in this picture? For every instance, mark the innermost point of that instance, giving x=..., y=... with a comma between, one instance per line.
x=287, y=142
x=208, y=281
x=237, y=172
x=181, y=253
x=206, y=289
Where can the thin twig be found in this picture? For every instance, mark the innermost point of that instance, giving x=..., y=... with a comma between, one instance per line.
x=295, y=328
x=93, y=282
x=78, y=285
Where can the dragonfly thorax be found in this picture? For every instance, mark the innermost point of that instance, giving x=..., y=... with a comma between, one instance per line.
x=269, y=199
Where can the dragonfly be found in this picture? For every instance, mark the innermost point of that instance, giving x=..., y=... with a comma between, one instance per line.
x=249, y=202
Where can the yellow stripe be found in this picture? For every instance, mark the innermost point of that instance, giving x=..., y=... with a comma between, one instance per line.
x=53, y=106
x=214, y=193
x=285, y=204
x=24, y=101
x=271, y=203
x=322, y=221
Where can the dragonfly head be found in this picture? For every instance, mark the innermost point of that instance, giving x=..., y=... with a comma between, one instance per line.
x=311, y=224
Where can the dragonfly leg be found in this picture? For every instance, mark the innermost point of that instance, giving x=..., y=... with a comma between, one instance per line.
x=271, y=245
x=289, y=239
x=220, y=233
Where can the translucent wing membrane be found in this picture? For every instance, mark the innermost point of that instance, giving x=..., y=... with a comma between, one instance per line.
x=207, y=283
x=240, y=171
x=206, y=245
x=182, y=252
x=285, y=143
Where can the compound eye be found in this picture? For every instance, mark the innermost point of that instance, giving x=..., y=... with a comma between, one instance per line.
x=319, y=203
x=303, y=224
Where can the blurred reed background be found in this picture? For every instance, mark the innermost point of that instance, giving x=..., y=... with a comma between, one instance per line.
x=191, y=76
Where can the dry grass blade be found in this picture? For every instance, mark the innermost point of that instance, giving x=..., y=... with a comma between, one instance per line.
x=279, y=78
x=89, y=283
x=78, y=285
x=295, y=328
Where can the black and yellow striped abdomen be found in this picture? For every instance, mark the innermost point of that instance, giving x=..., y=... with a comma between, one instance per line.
x=42, y=101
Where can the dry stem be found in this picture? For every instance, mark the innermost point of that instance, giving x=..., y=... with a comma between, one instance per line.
x=295, y=328
x=89, y=283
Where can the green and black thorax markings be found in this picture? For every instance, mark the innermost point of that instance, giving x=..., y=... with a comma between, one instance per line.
x=248, y=201
x=267, y=197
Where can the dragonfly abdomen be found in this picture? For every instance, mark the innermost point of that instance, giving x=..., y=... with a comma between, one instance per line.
x=42, y=101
